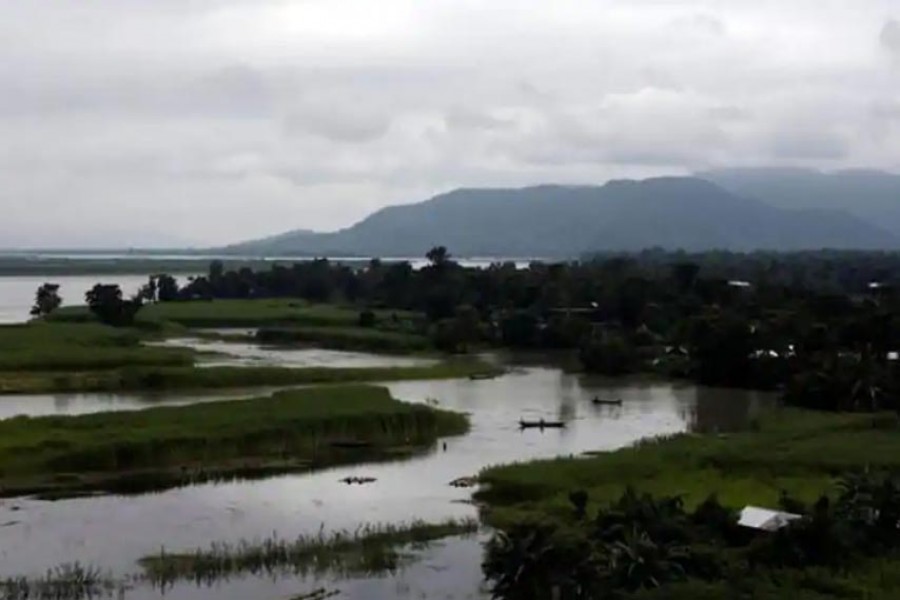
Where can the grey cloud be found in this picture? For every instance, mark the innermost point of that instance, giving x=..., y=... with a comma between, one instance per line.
x=699, y=23
x=805, y=145
x=464, y=118
x=890, y=36
x=337, y=123
x=269, y=114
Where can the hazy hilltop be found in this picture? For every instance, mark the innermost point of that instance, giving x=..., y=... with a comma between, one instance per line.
x=564, y=221
x=873, y=196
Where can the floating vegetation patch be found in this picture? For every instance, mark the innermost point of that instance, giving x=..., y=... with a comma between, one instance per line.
x=289, y=430
x=66, y=582
x=367, y=551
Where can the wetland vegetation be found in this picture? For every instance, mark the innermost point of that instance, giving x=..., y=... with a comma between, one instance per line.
x=297, y=429
x=369, y=550
x=657, y=520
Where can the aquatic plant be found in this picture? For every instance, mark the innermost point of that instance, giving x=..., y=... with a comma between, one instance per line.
x=293, y=429
x=72, y=581
x=368, y=550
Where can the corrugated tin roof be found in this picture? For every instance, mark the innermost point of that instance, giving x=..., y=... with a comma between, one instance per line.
x=755, y=517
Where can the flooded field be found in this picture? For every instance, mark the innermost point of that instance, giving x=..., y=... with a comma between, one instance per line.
x=247, y=354
x=112, y=532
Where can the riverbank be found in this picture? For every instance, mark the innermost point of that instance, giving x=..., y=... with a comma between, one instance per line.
x=673, y=503
x=799, y=452
x=372, y=550
x=139, y=378
x=50, y=347
x=348, y=338
x=291, y=430
x=251, y=313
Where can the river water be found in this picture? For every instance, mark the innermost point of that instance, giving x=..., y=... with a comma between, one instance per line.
x=17, y=293
x=219, y=353
x=114, y=531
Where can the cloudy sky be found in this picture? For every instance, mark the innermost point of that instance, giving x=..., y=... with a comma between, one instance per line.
x=160, y=122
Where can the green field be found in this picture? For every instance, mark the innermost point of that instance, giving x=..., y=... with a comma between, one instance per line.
x=347, y=338
x=40, y=346
x=797, y=451
x=257, y=313
x=134, y=378
x=291, y=429
x=634, y=543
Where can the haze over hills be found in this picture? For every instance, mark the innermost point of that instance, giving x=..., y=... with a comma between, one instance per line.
x=873, y=196
x=565, y=221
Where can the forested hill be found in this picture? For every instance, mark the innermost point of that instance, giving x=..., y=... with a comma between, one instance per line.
x=566, y=221
x=873, y=196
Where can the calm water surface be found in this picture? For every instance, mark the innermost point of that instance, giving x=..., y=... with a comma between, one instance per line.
x=17, y=293
x=247, y=354
x=114, y=531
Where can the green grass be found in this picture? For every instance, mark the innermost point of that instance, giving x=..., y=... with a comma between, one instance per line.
x=258, y=313
x=45, y=346
x=65, y=582
x=797, y=451
x=295, y=428
x=348, y=338
x=370, y=550
x=876, y=578
x=193, y=378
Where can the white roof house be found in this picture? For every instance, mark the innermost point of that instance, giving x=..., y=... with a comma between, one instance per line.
x=765, y=519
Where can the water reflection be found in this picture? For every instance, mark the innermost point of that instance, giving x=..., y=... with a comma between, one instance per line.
x=223, y=353
x=83, y=403
x=113, y=531
x=17, y=293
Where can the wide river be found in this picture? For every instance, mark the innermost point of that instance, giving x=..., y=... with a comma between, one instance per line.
x=17, y=293
x=112, y=532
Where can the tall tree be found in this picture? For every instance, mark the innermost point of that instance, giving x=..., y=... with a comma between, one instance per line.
x=46, y=300
x=106, y=302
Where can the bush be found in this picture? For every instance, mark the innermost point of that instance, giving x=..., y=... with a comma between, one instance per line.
x=367, y=318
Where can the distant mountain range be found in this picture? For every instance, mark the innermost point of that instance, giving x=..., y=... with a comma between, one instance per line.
x=732, y=210
x=873, y=196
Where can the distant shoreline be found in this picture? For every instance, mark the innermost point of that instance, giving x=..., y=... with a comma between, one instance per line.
x=17, y=264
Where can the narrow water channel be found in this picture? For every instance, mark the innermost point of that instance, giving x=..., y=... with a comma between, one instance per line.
x=218, y=353
x=114, y=531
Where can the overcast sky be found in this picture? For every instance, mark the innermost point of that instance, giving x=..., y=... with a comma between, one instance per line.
x=159, y=122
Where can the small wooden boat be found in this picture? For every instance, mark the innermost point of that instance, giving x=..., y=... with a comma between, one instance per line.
x=541, y=424
x=481, y=376
x=600, y=402
x=359, y=480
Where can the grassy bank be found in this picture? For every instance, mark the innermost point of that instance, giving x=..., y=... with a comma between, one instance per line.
x=371, y=550
x=296, y=428
x=41, y=346
x=796, y=451
x=347, y=338
x=259, y=313
x=659, y=521
x=190, y=378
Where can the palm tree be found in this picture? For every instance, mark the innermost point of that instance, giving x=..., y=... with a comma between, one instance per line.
x=637, y=561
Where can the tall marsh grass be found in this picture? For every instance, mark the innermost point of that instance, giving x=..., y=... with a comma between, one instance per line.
x=286, y=427
x=66, y=582
x=368, y=550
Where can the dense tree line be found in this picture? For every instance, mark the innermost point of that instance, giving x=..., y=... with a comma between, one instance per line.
x=822, y=326
x=644, y=543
